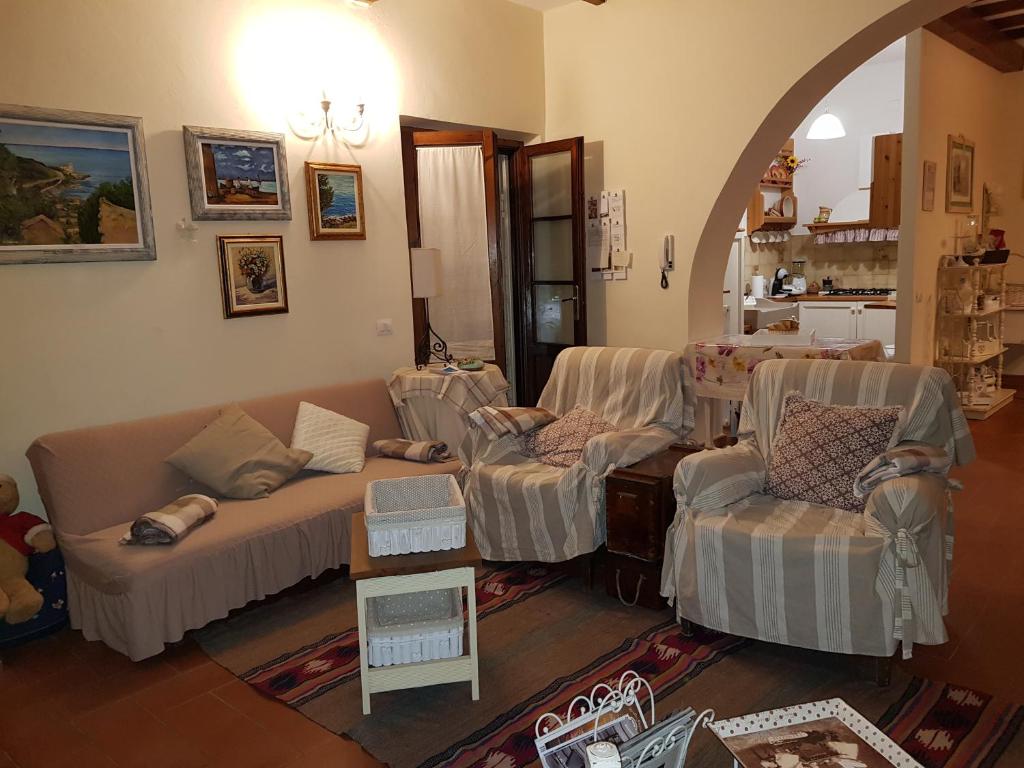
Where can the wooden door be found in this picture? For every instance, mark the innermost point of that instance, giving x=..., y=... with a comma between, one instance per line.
x=411, y=139
x=552, y=220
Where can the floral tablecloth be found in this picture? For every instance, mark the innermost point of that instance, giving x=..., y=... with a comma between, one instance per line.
x=721, y=367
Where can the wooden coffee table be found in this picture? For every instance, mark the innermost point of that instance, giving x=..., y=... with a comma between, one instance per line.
x=402, y=574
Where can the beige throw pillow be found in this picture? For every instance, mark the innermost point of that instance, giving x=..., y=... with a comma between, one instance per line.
x=338, y=443
x=238, y=457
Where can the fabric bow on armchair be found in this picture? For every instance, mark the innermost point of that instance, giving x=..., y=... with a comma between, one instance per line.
x=798, y=573
x=521, y=509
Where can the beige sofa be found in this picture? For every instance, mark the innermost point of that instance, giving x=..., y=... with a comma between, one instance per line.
x=94, y=481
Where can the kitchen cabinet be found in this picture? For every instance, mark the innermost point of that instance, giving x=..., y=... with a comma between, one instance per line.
x=848, y=320
x=830, y=319
x=877, y=323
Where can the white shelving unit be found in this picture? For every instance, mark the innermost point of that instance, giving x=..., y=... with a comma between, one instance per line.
x=969, y=328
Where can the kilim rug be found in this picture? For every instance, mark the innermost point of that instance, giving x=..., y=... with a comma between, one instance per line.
x=543, y=640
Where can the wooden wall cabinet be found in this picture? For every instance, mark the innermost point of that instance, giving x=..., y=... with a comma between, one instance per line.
x=886, y=177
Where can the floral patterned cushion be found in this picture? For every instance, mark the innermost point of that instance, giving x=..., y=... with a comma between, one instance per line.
x=820, y=449
x=561, y=442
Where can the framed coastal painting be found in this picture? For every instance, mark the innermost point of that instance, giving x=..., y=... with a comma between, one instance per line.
x=335, y=201
x=236, y=175
x=960, y=175
x=73, y=187
x=252, y=275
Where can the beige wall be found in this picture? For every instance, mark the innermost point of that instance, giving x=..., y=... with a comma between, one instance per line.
x=677, y=92
x=91, y=343
x=949, y=92
x=1009, y=196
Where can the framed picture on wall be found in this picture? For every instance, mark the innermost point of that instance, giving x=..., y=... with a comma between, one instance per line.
x=334, y=195
x=931, y=170
x=73, y=187
x=252, y=275
x=236, y=175
x=960, y=175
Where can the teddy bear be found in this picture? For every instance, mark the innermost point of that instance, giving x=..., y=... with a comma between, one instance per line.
x=21, y=534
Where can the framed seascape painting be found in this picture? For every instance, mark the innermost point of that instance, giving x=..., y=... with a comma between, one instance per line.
x=73, y=187
x=960, y=176
x=236, y=175
x=334, y=196
x=252, y=275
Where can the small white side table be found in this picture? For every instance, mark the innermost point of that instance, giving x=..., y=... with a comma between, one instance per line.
x=402, y=574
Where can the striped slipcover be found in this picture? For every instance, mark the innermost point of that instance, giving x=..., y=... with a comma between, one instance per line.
x=524, y=510
x=801, y=574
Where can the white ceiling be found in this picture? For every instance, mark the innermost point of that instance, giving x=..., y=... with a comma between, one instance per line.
x=542, y=5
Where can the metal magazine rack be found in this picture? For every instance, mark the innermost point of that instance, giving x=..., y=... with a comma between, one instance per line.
x=618, y=713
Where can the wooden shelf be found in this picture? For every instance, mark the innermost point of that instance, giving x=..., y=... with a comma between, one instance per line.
x=836, y=226
x=778, y=183
x=985, y=313
x=976, y=360
x=1000, y=399
x=778, y=222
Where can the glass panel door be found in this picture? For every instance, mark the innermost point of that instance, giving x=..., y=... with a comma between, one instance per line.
x=552, y=211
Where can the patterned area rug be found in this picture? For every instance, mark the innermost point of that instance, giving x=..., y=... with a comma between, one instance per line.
x=544, y=640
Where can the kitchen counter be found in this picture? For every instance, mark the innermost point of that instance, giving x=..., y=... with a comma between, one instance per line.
x=879, y=298
x=888, y=304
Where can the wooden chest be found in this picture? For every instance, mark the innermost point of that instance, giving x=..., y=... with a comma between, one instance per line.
x=640, y=505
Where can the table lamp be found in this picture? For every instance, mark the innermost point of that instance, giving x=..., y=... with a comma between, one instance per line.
x=426, y=284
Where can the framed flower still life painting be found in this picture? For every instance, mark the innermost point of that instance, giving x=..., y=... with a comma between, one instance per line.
x=335, y=201
x=252, y=275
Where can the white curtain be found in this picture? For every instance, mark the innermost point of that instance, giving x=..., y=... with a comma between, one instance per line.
x=453, y=218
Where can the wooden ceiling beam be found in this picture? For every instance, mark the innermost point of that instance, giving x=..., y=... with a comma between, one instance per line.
x=1016, y=34
x=594, y=2
x=988, y=10
x=1007, y=22
x=969, y=32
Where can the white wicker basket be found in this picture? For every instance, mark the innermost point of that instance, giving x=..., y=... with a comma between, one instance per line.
x=414, y=514
x=420, y=626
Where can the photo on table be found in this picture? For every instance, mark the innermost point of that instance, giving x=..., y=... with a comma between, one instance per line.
x=814, y=744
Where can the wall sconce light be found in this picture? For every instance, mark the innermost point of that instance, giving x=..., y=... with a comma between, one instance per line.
x=311, y=128
x=362, y=3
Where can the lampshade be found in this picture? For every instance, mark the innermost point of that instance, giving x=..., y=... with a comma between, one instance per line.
x=827, y=126
x=426, y=272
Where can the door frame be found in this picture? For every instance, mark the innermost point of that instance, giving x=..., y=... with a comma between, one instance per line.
x=411, y=138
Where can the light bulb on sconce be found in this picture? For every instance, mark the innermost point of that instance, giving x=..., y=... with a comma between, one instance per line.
x=313, y=127
x=362, y=3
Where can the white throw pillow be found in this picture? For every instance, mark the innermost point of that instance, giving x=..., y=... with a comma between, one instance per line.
x=338, y=443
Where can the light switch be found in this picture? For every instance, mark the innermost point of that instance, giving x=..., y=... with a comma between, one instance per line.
x=384, y=327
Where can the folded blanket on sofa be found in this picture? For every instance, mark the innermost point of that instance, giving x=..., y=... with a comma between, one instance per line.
x=495, y=423
x=424, y=451
x=172, y=523
x=900, y=461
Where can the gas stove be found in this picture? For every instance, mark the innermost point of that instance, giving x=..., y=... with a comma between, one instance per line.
x=859, y=292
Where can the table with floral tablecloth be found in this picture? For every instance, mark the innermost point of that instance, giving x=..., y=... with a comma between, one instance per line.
x=721, y=367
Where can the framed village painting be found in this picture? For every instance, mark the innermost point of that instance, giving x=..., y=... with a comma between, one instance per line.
x=236, y=175
x=335, y=201
x=73, y=187
x=252, y=275
x=960, y=175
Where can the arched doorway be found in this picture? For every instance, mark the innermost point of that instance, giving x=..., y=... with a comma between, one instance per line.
x=711, y=255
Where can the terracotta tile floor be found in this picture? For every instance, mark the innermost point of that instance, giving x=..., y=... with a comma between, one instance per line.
x=67, y=702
